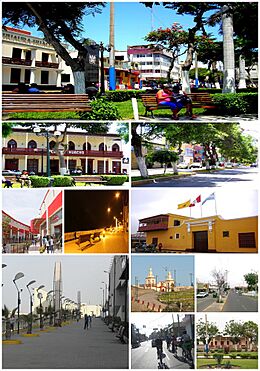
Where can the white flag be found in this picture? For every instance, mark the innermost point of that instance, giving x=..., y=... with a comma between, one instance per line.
x=210, y=197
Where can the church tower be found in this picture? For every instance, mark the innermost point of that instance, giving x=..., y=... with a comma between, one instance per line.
x=150, y=280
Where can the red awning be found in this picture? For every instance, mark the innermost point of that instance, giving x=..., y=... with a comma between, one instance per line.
x=35, y=225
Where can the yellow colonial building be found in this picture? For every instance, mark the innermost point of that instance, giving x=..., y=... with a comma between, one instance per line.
x=93, y=154
x=179, y=233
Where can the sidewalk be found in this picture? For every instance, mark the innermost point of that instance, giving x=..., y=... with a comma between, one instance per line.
x=205, y=118
x=68, y=347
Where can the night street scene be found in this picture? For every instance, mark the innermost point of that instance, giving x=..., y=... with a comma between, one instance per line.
x=190, y=155
x=227, y=284
x=96, y=221
x=64, y=155
x=162, y=284
x=130, y=60
x=32, y=221
x=65, y=313
x=162, y=341
x=227, y=341
x=194, y=220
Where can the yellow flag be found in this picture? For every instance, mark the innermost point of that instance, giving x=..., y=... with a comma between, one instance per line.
x=184, y=204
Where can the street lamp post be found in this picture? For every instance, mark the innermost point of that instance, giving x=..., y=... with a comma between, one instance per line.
x=17, y=277
x=40, y=296
x=101, y=288
x=50, y=298
x=105, y=300
x=29, y=331
x=102, y=48
x=45, y=132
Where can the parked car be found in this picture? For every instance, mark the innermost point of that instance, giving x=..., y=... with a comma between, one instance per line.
x=228, y=165
x=196, y=165
x=11, y=172
x=182, y=165
x=202, y=294
x=75, y=172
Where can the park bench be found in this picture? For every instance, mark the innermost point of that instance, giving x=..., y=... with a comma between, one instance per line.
x=10, y=180
x=121, y=334
x=88, y=179
x=85, y=241
x=199, y=100
x=97, y=235
x=45, y=103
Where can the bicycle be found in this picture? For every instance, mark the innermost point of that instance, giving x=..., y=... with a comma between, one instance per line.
x=161, y=355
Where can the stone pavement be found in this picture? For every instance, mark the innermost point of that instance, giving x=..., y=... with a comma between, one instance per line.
x=111, y=244
x=68, y=347
x=204, y=118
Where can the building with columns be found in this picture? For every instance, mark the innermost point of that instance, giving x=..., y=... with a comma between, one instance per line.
x=28, y=59
x=180, y=233
x=93, y=154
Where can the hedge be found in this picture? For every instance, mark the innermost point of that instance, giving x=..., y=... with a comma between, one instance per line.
x=62, y=181
x=122, y=95
x=115, y=179
x=39, y=181
x=102, y=109
x=236, y=103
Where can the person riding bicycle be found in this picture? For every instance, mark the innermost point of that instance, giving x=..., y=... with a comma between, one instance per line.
x=159, y=346
x=186, y=344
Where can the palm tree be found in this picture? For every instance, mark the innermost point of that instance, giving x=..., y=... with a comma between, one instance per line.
x=7, y=314
x=228, y=51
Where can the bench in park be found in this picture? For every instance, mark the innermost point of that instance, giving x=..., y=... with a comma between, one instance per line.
x=84, y=241
x=12, y=103
x=199, y=100
x=17, y=179
x=88, y=179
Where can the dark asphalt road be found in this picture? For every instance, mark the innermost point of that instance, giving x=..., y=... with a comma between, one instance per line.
x=240, y=303
x=230, y=177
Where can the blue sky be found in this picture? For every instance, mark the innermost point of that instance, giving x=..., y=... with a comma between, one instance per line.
x=132, y=22
x=184, y=265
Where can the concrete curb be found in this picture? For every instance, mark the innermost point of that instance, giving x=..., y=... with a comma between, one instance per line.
x=30, y=335
x=136, y=183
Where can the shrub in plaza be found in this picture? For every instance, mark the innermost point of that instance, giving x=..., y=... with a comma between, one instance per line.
x=62, y=181
x=122, y=95
x=115, y=179
x=236, y=103
x=39, y=181
x=102, y=109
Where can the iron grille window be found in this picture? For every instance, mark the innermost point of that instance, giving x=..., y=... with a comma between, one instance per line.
x=176, y=223
x=246, y=239
x=225, y=233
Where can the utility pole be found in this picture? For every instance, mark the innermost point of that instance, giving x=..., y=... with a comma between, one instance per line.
x=112, y=71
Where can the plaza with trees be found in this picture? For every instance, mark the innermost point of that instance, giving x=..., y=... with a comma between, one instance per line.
x=234, y=346
x=231, y=95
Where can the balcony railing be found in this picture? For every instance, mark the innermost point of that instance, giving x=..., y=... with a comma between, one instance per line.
x=43, y=151
x=153, y=227
x=46, y=64
x=19, y=61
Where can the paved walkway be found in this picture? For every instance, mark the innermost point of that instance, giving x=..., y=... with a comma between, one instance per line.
x=112, y=243
x=69, y=347
x=205, y=118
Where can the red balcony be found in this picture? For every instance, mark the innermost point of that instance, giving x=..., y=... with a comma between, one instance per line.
x=79, y=153
x=46, y=64
x=158, y=223
x=17, y=61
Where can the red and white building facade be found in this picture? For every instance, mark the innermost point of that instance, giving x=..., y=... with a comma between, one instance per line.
x=49, y=221
x=14, y=231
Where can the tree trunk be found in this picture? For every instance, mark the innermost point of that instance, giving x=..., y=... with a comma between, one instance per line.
x=185, y=81
x=242, y=72
x=165, y=168
x=142, y=166
x=229, y=85
x=79, y=82
x=175, y=168
x=215, y=75
x=137, y=144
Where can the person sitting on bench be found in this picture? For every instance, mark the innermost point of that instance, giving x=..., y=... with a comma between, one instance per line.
x=182, y=98
x=24, y=179
x=165, y=98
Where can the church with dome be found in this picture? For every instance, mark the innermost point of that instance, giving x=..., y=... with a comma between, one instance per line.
x=162, y=286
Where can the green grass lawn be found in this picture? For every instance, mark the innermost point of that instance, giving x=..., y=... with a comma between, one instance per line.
x=242, y=363
x=187, y=294
x=124, y=108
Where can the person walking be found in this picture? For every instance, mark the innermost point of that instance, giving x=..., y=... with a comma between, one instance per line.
x=51, y=243
x=86, y=319
x=90, y=320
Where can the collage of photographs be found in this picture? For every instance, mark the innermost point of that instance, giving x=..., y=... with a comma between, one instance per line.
x=129, y=185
